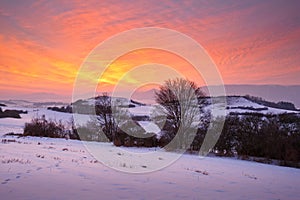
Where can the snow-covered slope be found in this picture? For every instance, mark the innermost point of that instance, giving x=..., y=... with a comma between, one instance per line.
x=44, y=168
x=120, y=101
x=239, y=104
x=8, y=125
x=243, y=102
x=234, y=104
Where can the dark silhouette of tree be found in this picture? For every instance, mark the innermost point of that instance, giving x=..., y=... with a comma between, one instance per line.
x=104, y=113
x=227, y=139
x=180, y=99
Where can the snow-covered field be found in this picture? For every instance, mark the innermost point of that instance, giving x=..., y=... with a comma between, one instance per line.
x=8, y=125
x=241, y=105
x=243, y=102
x=43, y=168
x=16, y=125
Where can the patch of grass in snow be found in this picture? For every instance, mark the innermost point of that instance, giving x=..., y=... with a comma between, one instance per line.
x=198, y=171
x=15, y=160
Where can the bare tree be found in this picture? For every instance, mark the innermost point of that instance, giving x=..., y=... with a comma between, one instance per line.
x=110, y=114
x=180, y=99
x=104, y=113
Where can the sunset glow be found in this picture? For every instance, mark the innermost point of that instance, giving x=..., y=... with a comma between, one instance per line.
x=43, y=43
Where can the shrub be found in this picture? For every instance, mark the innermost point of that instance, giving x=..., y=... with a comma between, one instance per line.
x=90, y=132
x=138, y=137
x=12, y=113
x=42, y=127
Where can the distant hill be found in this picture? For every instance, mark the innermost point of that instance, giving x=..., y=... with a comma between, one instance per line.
x=39, y=97
x=145, y=96
x=274, y=93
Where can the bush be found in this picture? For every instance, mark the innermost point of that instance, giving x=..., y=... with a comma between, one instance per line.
x=11, y=113
x=67, y=109
x=42, y=127
x=90, y=132
x=138, y=137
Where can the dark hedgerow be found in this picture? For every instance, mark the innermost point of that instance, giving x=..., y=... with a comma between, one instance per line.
x=42, y=127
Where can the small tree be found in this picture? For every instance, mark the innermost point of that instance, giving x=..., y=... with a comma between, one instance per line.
x=180, y=99
x=110, y=115
x=104, y=113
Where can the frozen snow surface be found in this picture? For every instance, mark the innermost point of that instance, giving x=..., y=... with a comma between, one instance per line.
x=141, y=110
x=8, y=125
x=241, y=102
x=44, y=168
x=234, y=104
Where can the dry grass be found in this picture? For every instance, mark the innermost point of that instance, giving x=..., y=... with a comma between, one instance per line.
x=15, y=160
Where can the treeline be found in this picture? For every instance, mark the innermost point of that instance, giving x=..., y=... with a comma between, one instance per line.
x=65, y=109
x=246, y=108
x=42, y=127
x=271, y=137
x=83, y=107
x=244, y=134
x=92, y=131
x=281, y=104
x=11, y=113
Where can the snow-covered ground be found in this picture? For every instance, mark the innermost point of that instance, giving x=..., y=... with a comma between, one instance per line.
x=141, y=110
x=234, y=104
x=8, y=125
x=149, y=127
x=44, y=168
x=245, y=103
x=242, y=105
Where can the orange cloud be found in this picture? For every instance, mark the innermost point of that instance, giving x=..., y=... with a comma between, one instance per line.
x=43, y=43
x=163, y=65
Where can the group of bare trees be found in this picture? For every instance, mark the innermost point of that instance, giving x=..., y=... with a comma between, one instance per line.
x=269, y=136
x=180, y=105
x=184, y=125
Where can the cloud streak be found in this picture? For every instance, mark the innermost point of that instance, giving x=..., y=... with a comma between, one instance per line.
x=252, y=42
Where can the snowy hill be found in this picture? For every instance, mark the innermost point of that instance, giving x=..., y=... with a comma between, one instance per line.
x=235, y=104
x=44, y=168
x=242, y=104
x=47, y=168
x=273, y=93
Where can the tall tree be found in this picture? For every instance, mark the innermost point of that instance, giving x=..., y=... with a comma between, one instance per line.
x=181, y=102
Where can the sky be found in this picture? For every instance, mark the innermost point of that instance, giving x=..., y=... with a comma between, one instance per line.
x=44, y=43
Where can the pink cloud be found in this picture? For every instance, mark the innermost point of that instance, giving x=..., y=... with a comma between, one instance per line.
x=251, y=42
